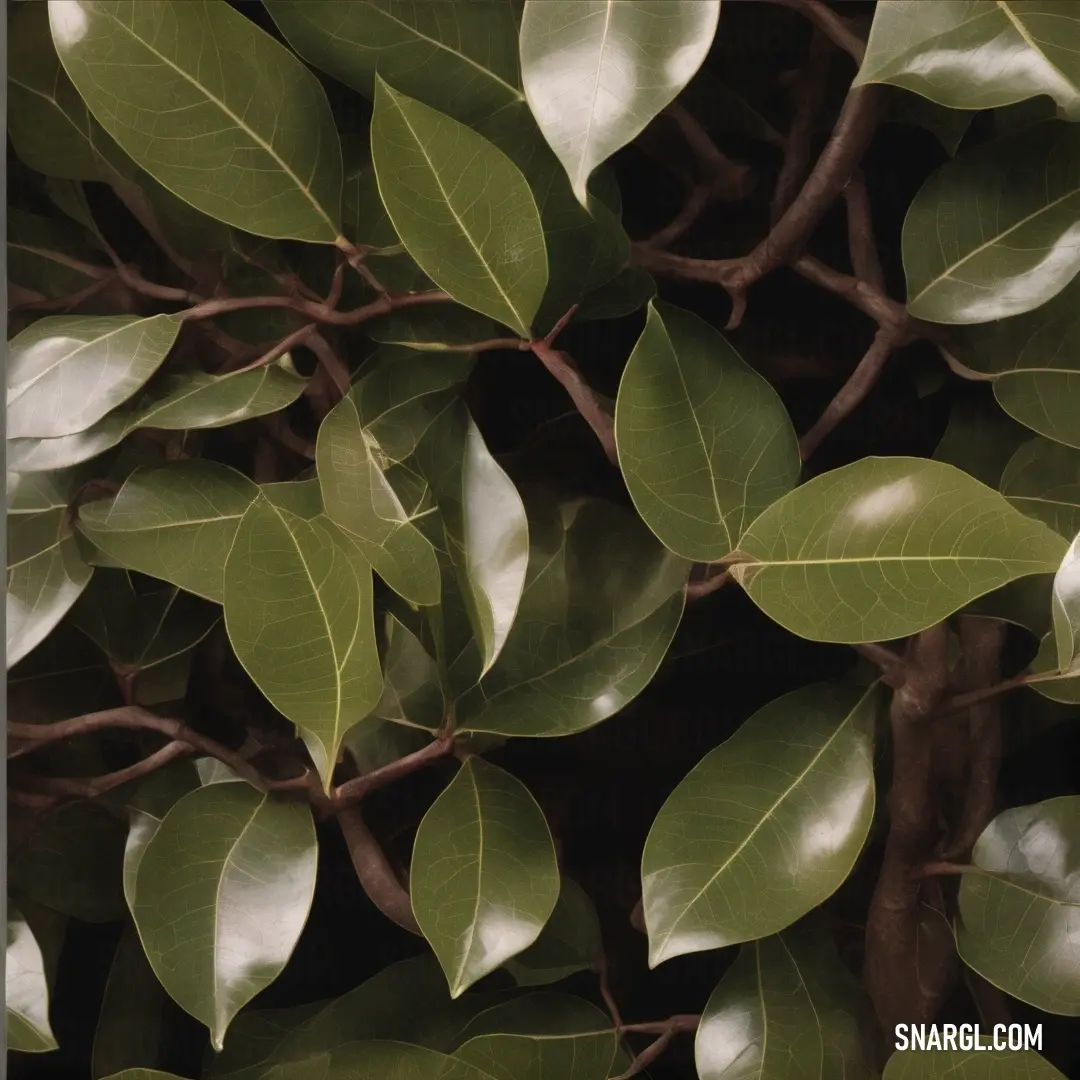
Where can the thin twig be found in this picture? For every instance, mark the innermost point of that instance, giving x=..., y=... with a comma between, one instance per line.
x=318, y=312
x=695, y=590
x=605, y=991
x=280, y=349
x=861, y=242
x=332, y=364
x=834, y=26
x=869, y=300
x=66, y=303
x=961, y=702
x=890, y=663
x=353, y=791
x=667, y=1030
x=852, y=393
x=941, y=867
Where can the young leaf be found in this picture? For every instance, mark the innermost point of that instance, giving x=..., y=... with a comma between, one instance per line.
x=176, y=522
x=67, y=371
x=704, y=442
x=1018, y=910
x=1034, y=361
x=764, y=828
x=786, y=998
x=886, y=547
x=596, y=72
x=26, y=992
x=484, y=878
x=600, y=606
x=461, y=207
x=46, y=573
x=1042, y=480
x=212, y=107
x=222, y=893
x=995, y=232
x=964, y=1065
x=298, y=609
x=976, y=55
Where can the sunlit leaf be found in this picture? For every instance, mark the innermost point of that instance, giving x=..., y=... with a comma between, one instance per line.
x=1065, y=606
x=26, y=993
x=765, y=827
x=886, y=547
x=996, y=231
x=704, y=442
x=484, y=879
x=1018, y=912
x=222, y=893
x=570, y=941
x=596, y=72
x=211, y=106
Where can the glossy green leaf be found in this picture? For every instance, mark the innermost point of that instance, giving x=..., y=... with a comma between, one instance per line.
x=543, y=1037
x=37, y=249
x=977, y=54
x=254, y=1036
x=480, y=528
x=181, y=402
x=980, y=439
x=886, y=547
x=212, y=107
x=601, y=603
x=948, y=126
x=1018, y=915
x=996, y=232
x=484, y=879
x=412, y=696
x=367, y=491
x=786, y=999
x=570, y=941
x=72, y=863
x=46, y=573
x=629, y=291
x=965, y=1065
x=147, y=804
x=26, y=991
x=704, y=441
x=298, y=609
x=129, y=1027
x=1042, y=480
x=461, y=207
x=66, y=372
x=176, y=522
x=765, y=827
x=1034, y=361
x=1065, y=607
x=1024, y=602
x=439, y=328
x=221, y=895
x=464, y=56
x=596, y=72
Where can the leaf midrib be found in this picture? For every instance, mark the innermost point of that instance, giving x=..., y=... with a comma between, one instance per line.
x=1032, y=44
x=253, y=135
x=579, y=180
x=471, y=932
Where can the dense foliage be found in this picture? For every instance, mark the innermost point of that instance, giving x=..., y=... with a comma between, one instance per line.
x=366, y=462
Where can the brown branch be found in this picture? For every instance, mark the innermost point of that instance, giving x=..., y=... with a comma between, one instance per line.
x=890, y=663
x=132, y=717
x=698, y=198
x=942, y=867
x=317, y=312
x=278, y=427
x=861, y=294
x=667, y=1030
x=605, y=991
x=834, y=26
x=355, y=258
x=332, y=364
x=66, y=303
x=962, y=702
x=590, y=404
x=352, y=791
x=374, y=871
x=852, y=393
x=280, y=349
x=695, y=590
x=861, y=242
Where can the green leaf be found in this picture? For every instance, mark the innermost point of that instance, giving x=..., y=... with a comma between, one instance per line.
x=176, y=522
x=1042, y=480
x=1024, y=602
x=446, y=327
x=66, y=372
x=412, y=695
x=948, y=126
x=787, y=998
x=480, y=528
x=980, y=439
x=704, y=441
x=764, y=828
x=570, y=941
x=215, y=109
x=994, y=232
x=1018, y=913
x=484, y=879
x=298, y=609
x=300, y=497
x=964, y=1065
x=45, y=575
x=596, y=72
x=72, y=863
x=178, y=403
x=143, y=1074
x=26, y=991
x=147, y=804
x=129, y=1027
x=976, y=54
x=461, y=207
x=465, y=56
x=37, y=248
x=254, y=1036
x=1065, y=607
x=629, y=291
x=886, y=547
x=361, y=446
x=601, y=603
x=1033, y=361
x=377, y=1060
x=222, y=893
x=543, y=1037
